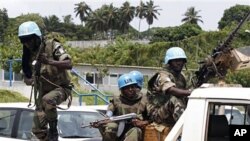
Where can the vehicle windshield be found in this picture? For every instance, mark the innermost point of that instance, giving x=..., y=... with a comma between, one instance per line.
x=70, y=123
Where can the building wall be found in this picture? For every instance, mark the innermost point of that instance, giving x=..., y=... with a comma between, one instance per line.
x=106, y=83
x=101, y=43
x=109, y=81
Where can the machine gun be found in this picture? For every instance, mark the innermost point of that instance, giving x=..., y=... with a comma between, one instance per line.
x=126, y=117
x=219, y=61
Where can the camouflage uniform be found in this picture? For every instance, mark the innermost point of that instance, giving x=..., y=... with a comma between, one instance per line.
x=54, y=88
x=164, y=108
x=122, y=105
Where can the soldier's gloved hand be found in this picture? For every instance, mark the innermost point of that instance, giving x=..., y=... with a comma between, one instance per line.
x=43, y=58
x=139, y=123
x=28, y=81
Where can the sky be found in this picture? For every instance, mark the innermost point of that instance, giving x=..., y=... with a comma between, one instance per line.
x=171, y=12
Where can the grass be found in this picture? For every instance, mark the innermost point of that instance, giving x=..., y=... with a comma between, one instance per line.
x=89, y=100
x=11, y=96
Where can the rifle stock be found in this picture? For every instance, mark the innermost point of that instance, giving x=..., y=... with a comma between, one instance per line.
x=219, y=61
x=125, y=117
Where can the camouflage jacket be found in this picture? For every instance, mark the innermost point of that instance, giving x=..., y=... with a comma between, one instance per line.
x=54, y=51
x=121, y=105
x=157, y=94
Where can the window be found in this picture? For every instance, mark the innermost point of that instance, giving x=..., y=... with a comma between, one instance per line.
x=223, y=115
x=69, y=124
x=90, y=78
x=235, y=114
x=113, y=79
x=7, y=75
x=18, y=77
x=15, y=76
x=25, y=125
x=7, y=117
x=98, y=79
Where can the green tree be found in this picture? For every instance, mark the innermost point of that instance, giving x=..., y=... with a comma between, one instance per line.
x=11, y=47
x=140, y=12
x=111, y=16
x=3, y=23
x=52, y=23
x=177, y=33
x=233, y=14
x=68, y=19
x=104, y=19
x=15, y=22
x=191, y=16
x=96, y=21
x=127, y=13
x=83, y=10
x=150, y=12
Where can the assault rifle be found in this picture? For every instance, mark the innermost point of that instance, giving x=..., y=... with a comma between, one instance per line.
x=126, y=117
x=219, y=61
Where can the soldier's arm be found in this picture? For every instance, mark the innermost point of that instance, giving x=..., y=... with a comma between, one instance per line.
x=168, y=87
x=63, y=64
x=178, y=92
x=61, y=60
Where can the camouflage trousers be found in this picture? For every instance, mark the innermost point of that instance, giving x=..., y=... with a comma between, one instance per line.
x=171, y=111
x=109, y=133
x=46, y=111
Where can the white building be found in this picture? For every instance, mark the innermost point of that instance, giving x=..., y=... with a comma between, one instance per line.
x=91, y=73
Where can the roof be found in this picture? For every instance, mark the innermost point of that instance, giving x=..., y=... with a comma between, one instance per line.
x=25, y=106
x=221, y=93
x=120, y=66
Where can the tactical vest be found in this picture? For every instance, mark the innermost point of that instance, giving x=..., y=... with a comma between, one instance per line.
x=121, y=108
x=52, y=73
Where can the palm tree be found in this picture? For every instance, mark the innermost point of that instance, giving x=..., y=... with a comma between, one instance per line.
x=127, y=14
x=52, y=23
x=67, y=19
x=140, y=12
x=96, y=21
x=191, y=16
x=150, y=12
x=83, y=10
x=110, y=16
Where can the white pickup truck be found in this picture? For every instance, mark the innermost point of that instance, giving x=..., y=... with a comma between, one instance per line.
x=209, y=113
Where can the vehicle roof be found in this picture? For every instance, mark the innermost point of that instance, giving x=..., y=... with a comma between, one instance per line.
x=98, y=107
x=221, y=93
x=25, y=106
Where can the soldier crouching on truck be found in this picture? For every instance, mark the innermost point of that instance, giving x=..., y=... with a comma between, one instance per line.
x=129, y=101
x=45, y=64
x=167, y=94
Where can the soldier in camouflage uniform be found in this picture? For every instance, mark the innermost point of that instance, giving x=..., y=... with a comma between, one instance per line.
x=129, y=101
x=167, y=91
x=49, y=75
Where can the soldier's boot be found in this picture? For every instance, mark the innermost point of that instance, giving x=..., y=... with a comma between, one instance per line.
x=53, y=133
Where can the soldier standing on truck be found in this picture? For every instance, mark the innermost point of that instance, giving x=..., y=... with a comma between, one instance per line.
x=167, y=93
x=44, y=64
x=129, y=101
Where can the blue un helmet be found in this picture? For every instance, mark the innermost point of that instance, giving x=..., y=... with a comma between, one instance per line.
x=175, y=53
x=138, y=77
x=29, y=28
x=126, y=80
